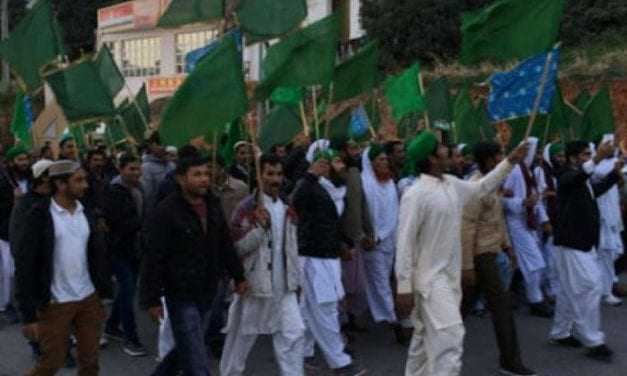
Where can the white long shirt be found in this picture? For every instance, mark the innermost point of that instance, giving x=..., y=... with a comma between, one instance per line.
x=71, y=281
x=429, y=234
x=609, y=209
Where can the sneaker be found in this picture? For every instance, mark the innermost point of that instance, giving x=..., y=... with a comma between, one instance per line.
x=612, y=300
x=70, y=362
x=134, y=348
x=566, y=342
x=601, y=353
x=541, y=310
x=114, y=334
x=518, y=370
x=350, y=370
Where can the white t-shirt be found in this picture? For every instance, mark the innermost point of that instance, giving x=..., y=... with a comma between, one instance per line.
x=71, y=281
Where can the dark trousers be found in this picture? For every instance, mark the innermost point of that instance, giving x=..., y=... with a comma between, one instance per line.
x=55, y=326
x=499, y=303
x=123, y=311
x=187, y=320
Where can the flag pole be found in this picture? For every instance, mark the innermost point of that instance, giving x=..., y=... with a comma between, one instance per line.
x=327, y=123
x=546, y=131
x=536, y=105
x=314, y=103
x=303, y=118
x=422, y=91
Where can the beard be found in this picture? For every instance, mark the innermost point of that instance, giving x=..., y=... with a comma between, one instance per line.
x=337, y=178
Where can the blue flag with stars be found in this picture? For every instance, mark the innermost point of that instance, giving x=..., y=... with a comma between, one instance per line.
x=359, y=122
x=193, y=57
x=513, y=94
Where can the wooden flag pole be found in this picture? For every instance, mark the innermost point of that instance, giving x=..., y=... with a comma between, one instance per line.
x=253, y=138
x=536, y=105
x=314, y=103
x=303, y=118
x=422, y=91
x=546, y=131
x=327, y=123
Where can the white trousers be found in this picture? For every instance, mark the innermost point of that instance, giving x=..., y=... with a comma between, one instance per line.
x=533, y=286
x=434, y=352
x=550, y=279
x=288, y=350
x=378, y=265
x=606, y=259
x=166, y=336
x=578, y=308
x=322, y=324
x=7, y=273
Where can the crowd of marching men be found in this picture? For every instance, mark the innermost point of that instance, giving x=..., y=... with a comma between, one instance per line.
x=309, y=243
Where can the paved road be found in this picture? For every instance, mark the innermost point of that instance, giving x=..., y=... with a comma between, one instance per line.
x=378, y=351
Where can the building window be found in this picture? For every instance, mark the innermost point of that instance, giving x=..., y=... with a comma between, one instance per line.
x=141, y=57
x=187, y=42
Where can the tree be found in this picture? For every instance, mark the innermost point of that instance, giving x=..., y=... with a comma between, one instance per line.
x=429, y=30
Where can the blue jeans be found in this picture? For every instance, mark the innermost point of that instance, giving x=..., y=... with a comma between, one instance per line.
x=217, y=316
x=123, y=307
x=187, y=320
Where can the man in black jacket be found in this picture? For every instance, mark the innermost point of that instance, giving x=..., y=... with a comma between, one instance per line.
x=319, y=204
x=578, y=309
x=13, y=185
x=123, y=210
x=188, y=246
x=62, y=273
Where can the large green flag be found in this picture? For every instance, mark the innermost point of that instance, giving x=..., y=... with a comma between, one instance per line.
x=181, y=12
x=80, y=92
x=287, y=95
x=357, y=74
x=598, y=118
x=403, y=93
x=467, y=124
x=136, y=115
x=21, y=122
x=109, y=73
x=33, y=43
x=510, y=29
x=270, y=17
x=439, y=104
x=213, y=95
x=304, y=58
x=279, y=127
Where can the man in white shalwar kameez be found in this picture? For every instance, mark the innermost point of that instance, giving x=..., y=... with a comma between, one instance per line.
x=319, y=202
x=266, y=240
x=577, y=319
x=610, y=242
x=428, y=261
x=525, y=214
x=382, y=198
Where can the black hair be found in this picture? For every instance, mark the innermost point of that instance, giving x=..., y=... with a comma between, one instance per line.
x=65, y=141
x=275, y=147
x=44, y=149
x=389, y=146
x=93, y=152
x=483, y=151
x=185, y=164
x=126, y=159
x=425, y=165
x=154, y=139
x=574, y=148
x=269, y=159
x=188, y=151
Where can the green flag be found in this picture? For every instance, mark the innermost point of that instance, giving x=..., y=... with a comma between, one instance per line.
x=403, y=93
x=33, y=43
x=234, y=134
x=21, y=122
x=136, y=115
x=559, y=117
x=279, y=127
x=114, y=131
x=439, y=104
x=78, y=133
x=303, y=58
x=213, y=95
x=598, y=118
x=80, y=92
x=270, y=17
x=181, y=12
x=287, y=95
x=467, y=126
x=510, y=29
x=576, y=119
x=357, y=74
x=108, y=71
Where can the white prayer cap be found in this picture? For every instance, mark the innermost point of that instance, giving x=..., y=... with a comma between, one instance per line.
x=40, y=167
x=319, y=145
x=171, y=150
